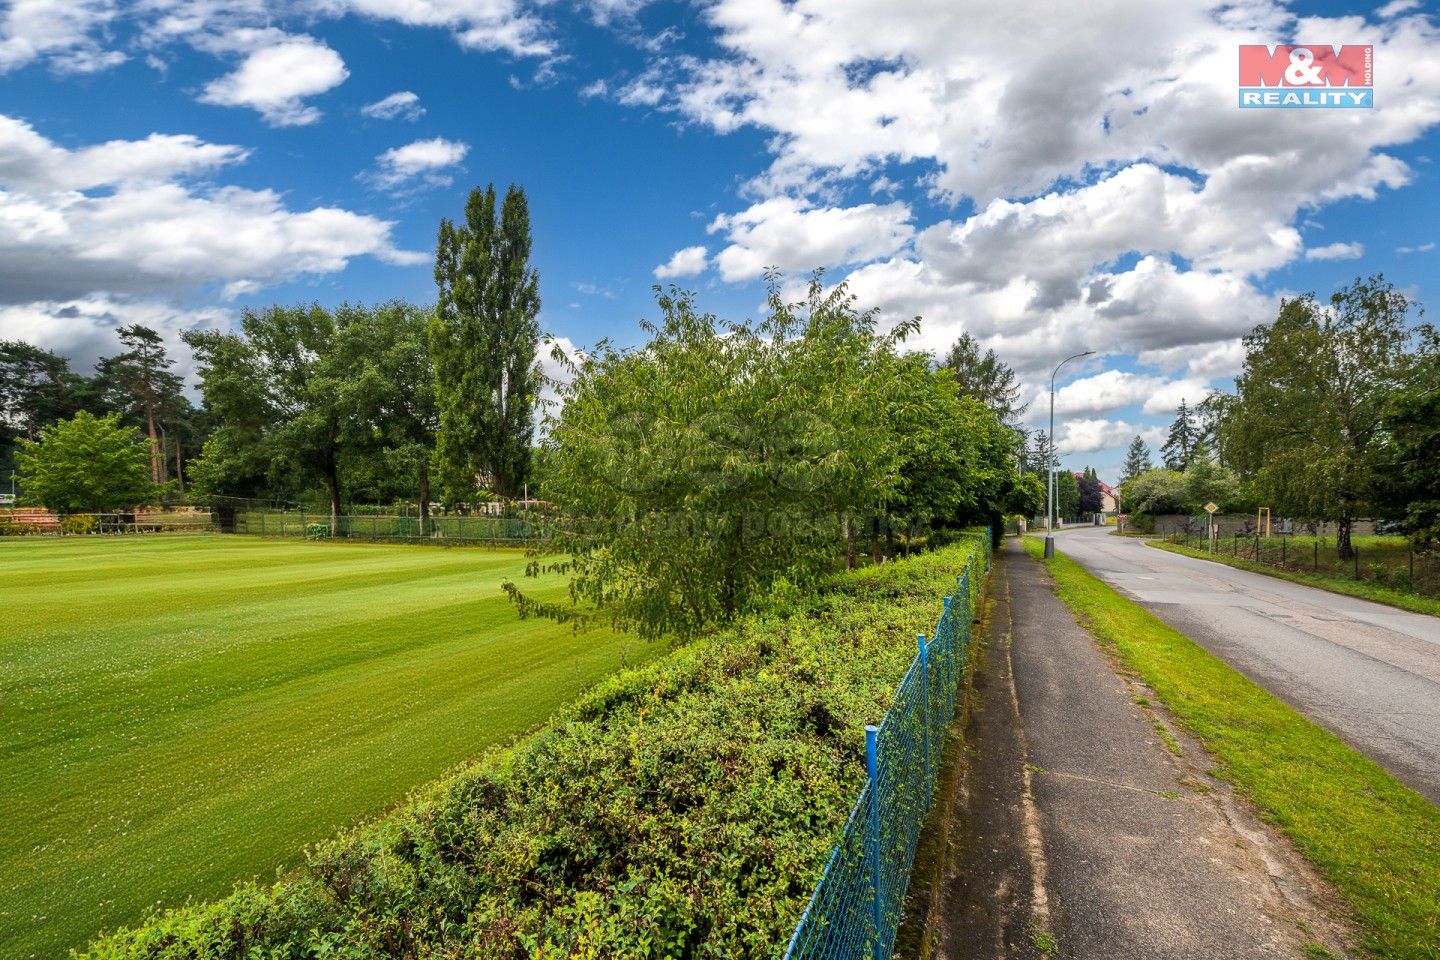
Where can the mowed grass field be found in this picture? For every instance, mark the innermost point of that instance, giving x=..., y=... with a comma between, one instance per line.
x=180, y=713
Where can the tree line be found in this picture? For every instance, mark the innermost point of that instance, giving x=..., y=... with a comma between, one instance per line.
x=305, y=403
x=1335, y=417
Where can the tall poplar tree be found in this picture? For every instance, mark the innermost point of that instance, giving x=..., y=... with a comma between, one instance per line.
x=483, y=339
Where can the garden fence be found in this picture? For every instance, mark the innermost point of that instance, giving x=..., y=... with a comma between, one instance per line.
x=855, y=910
x=1397, y=565
x=445, y=529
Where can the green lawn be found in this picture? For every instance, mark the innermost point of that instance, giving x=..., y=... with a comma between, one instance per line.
x=182, y=712
x=1376, y=840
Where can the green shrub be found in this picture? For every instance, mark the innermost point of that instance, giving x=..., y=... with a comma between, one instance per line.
x=685, y=808
x=9, y=528
x=78, y=523
x=317, y=531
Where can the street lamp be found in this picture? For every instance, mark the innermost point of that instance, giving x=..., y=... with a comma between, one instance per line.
x=1050, y=460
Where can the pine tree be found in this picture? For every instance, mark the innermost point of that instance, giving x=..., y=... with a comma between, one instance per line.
x=1137, y=460
x=145, y=386
x=483, y=341
x=986, y=378
x=1179, y=446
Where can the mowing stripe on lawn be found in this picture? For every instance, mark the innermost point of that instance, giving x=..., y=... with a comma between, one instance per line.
x=181, y=713
x=1373, y=838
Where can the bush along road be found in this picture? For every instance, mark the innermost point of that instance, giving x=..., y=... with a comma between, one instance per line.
x=680, y=809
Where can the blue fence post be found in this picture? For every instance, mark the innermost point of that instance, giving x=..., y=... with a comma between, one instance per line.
x=872, y=768
x=948, y=632
x=925, y=707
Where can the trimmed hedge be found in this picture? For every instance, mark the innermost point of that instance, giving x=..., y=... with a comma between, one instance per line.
x=684, y=809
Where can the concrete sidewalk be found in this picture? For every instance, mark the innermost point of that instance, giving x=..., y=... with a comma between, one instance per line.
x=1087, y=826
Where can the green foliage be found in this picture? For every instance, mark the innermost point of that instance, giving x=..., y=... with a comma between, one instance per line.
x=1091, y=498
x=986, y=378
x=1180, y=443
x=141, y=385
x=87, y=463
x=1410, y=476
x=386, y=397
x=1157, y=491
x=9, y=528
x=683, y=809
x=1027, y=497
x=483, y=339
x=1307, y=421
x=695, y=471
x=1206, y=480
x=1067, y=495
x=308, y=397
x=1137, y=461
x=79, y=523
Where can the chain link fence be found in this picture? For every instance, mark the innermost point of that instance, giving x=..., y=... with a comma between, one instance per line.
x=855, y=910
x=446, y=529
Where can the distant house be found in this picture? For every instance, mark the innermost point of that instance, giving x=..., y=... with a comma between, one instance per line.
x=1109, y=499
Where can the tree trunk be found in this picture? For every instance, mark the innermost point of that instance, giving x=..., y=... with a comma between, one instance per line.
x=849, y=544
x=875, y=556
x=332, y=482
x=154, y=445
x=179, y=473
x=1342, y=539
x=424, y=496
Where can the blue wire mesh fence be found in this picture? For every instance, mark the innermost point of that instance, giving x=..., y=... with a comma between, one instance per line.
x=855, y=910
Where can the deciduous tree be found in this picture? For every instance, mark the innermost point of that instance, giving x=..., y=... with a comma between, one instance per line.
x=483, y=340
x=275, y=389
x=86, y=464
x=385, y=382
x=1307, y=420
x=697, y=471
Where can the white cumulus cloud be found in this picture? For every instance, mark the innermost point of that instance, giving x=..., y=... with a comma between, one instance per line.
x=404, y=105
x=119, y=219
x=1336, y=251
x=423, y=162
x=276, y=78
x=686, y=262
x=793, y=235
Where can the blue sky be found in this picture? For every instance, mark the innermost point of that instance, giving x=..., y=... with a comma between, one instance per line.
x=1088, y=183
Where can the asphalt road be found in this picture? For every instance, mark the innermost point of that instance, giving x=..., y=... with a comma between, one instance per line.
x=1073, y=820
x=1367, y=672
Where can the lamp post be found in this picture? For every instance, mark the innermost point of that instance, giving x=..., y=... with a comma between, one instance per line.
x=1050, y=459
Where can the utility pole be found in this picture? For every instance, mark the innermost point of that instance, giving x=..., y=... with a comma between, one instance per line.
x=1050, y=459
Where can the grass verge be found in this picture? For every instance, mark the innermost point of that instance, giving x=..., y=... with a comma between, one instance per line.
x=1345, y=585
x=1374, y=839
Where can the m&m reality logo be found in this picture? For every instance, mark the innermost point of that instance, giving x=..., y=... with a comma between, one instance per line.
x=1308, y=76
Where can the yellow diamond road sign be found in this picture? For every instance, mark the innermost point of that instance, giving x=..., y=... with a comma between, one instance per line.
x=1211, y=507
